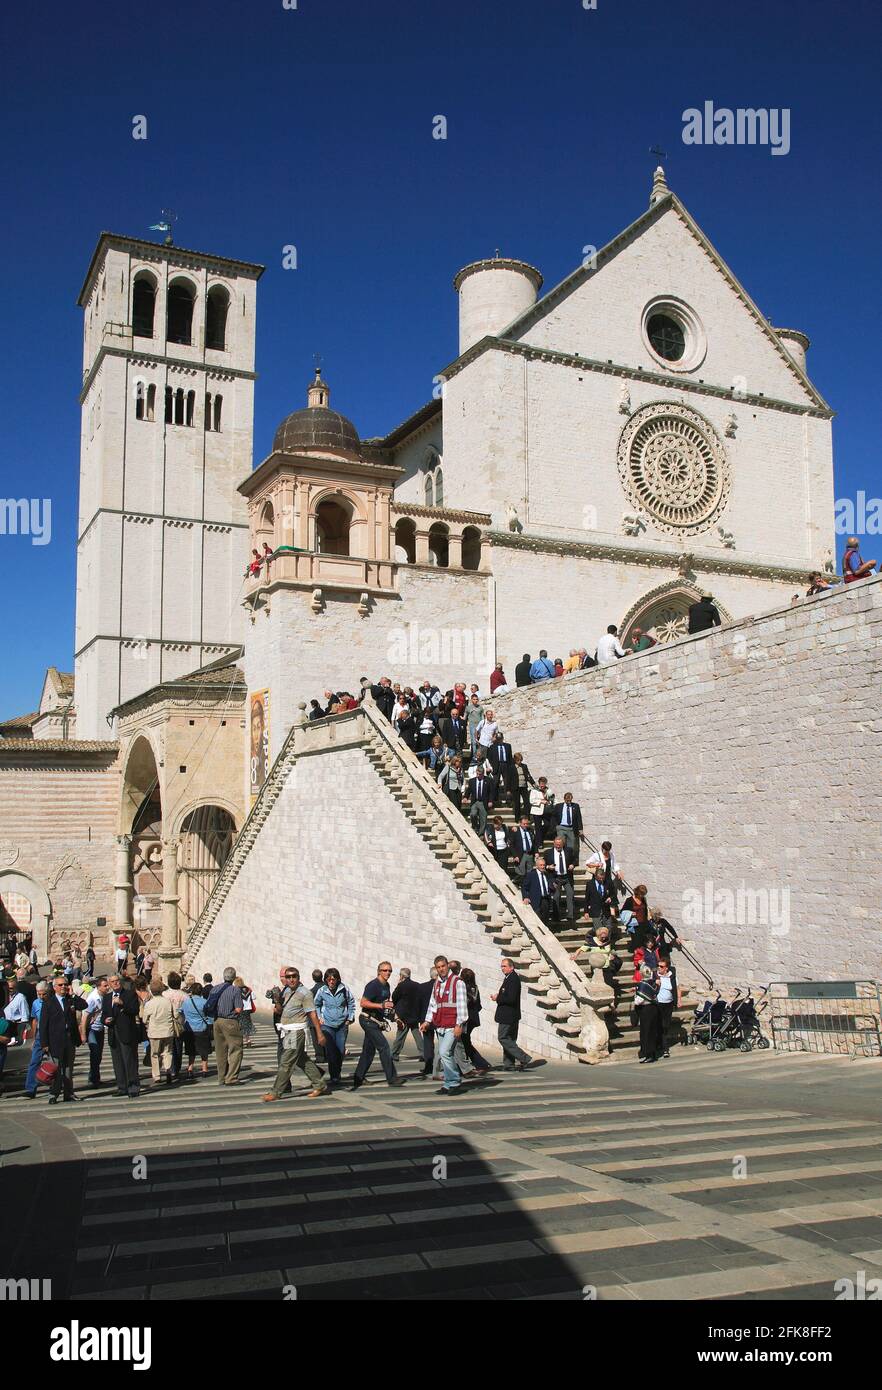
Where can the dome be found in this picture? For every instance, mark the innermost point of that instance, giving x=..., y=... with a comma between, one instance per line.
x=317, y=427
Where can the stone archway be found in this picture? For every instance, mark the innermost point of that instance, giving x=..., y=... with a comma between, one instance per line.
x=13, y=881
x=206, y=836
x=664, y=612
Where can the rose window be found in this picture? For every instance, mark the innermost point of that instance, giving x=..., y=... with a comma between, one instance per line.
x=673, y=468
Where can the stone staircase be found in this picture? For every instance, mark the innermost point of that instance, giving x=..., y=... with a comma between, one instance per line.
x=624, y=1037
x=575, y=1004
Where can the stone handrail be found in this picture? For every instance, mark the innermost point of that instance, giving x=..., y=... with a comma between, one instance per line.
x=590, y=994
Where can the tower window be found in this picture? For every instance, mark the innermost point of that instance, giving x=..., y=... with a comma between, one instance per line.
x=179, y=406
x=216, y=308
x=208, y=410
x=429, y=490
x=218, y=404
x=181, y=297
x=151, y=402
x=143, y=306
x=169, y=406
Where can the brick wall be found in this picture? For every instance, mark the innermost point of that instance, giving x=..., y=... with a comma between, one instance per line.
x=737, y=774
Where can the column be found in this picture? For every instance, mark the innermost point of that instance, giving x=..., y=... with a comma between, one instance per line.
x=170, y=952
x=454, y=551
x=122, y=887
x=422, y=547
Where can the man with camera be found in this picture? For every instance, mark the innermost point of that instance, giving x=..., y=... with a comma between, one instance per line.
x=297, y=1014
x=377, y=1011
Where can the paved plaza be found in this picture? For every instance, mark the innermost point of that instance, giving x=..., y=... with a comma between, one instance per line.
x=702, y=1177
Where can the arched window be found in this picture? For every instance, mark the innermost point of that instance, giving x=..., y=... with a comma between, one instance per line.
x=208, y=410
x=143, y=305
x=181, y=298
x=218, y=405
x=332, y=522
x=438, y=546
x=151, y=402
x=429, y=491
x=140, y=400
x=471, y=548
x=216, y=309
x=191, y=407
x=266, y=527
x=439, y=488
x=169, y=406
x=179, y=406
x=405, y=540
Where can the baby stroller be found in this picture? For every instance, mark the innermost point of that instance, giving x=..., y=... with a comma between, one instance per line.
x=745, y=1032
x=708, y=1023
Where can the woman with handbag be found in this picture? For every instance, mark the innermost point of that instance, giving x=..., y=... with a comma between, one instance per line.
x=246, y=1022
x=196, y=1031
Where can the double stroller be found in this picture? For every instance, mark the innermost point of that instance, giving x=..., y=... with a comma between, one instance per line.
x=720, y=1024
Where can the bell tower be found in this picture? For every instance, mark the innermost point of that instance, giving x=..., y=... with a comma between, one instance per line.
x=167, y=403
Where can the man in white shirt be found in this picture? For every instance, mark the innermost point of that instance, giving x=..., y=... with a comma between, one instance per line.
x=609, y=648
x=18, y=1012
x=93, y=1033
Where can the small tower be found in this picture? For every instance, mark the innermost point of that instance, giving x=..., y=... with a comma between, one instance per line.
x=492, y=294
x=318, y=393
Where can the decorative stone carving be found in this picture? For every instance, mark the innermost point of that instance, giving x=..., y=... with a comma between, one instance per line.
x=511, y=512
x=633, y=523
x=625, y=400
x=684, y=565
x=726, y=537
x=68, y=861
x=364, y=605
x=317, y=603
x=673, y=467
x=828, y=562
x=731, y=425
x=9, y=854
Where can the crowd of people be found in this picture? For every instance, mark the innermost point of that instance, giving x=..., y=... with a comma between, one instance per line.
x=173, y=1026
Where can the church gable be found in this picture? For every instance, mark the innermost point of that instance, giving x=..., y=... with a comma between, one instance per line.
x=663, y=272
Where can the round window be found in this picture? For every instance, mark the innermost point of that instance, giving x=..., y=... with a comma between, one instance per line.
x=673, y=334
x=666, y=336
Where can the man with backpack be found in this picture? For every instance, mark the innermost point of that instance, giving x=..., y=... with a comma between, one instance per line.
x=222, y=1008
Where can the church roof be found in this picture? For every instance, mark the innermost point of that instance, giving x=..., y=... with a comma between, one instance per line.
x=74, y=746
x=663, y=201
x=19, y=726
x=151, y=247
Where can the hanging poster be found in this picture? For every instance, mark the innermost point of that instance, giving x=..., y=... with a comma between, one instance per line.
x=259, y=731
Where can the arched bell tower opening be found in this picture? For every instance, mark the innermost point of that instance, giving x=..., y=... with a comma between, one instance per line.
x=333, y=520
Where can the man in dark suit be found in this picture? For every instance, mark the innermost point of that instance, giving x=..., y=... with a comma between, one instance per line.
x=502, y=762
x=559, y=862
x=536, y=889
x=599, y=904
x=479, y=796
x=521, y=848
x=703, y=615
x=454, y=732
x=60, y=1035
x=508, y=1017
x=384, y=696
x=568, y=819
x=522, y=670
x=120, y=1019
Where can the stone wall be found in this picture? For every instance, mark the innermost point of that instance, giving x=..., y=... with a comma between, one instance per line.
x=737, y=774
x=57, y=839
x=339, y=875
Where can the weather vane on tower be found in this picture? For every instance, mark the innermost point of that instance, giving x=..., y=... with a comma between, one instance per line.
x=169, y=219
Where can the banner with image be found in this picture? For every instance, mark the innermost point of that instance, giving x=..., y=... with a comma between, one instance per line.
x=259, y=741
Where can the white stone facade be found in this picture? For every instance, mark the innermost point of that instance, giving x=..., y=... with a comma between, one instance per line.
x=162, y=532
x=737, y=774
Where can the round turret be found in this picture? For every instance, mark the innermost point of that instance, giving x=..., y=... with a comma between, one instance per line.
x=492, y=294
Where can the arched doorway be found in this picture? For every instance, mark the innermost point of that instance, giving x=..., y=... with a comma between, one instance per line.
x=333, y=518
x=141, y=821
x=206, y=837
x=663, y=613
x=25, y=910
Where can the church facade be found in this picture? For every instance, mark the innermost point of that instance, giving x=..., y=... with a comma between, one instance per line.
x=603, y=453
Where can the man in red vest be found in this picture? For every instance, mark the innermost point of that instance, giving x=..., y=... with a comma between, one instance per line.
x=853, y=567
x=448, y=1013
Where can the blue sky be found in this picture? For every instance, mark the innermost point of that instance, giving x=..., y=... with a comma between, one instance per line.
x=313, y=126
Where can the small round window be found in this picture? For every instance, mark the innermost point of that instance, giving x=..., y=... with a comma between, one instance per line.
x=667, y=337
